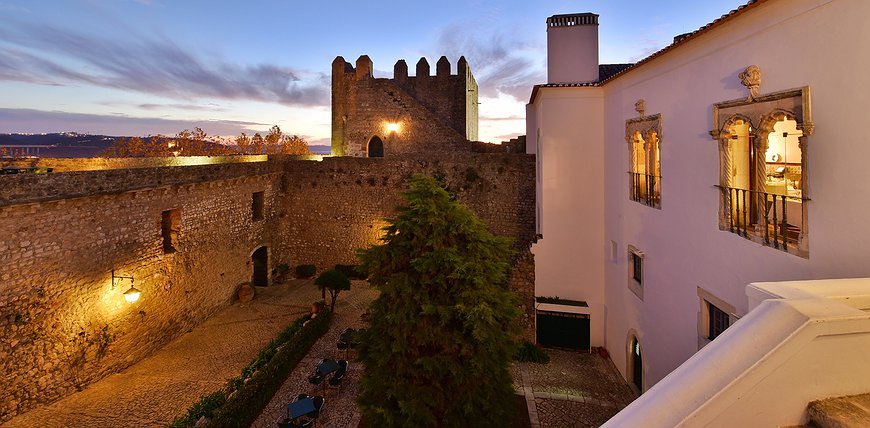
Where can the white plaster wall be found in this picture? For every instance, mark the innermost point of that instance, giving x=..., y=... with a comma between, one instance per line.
x=765, y=370
x=572, y=54
x=569, y=259
x=795, y=43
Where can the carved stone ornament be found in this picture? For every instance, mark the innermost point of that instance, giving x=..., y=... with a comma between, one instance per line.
x=751, y=78
x=640, y=107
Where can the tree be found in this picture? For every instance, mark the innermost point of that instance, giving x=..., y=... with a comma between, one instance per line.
x=273, y=139
x=294, y=145
x=243, y=143
x=441, y=337
x=333, y=281
x=257, y=144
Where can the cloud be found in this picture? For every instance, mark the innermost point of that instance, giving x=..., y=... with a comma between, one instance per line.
x=37, y=121
x=501, y=64
x=37, y=53
x=500, y=118
x=179, y=106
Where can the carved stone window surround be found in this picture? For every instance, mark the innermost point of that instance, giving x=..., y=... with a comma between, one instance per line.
x=650, y=129
x=762, y=112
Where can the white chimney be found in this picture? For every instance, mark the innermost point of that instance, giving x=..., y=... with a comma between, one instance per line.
x=572, y=48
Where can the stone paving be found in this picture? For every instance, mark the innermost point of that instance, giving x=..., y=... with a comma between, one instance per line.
x=575, y=389
x=161, y=387
x=339, y=409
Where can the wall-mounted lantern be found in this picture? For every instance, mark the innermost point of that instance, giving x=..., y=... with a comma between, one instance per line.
x=130, y=295
x=392, y=127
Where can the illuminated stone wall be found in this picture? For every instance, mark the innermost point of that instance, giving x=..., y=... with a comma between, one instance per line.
x=434, y=114
x=62, y=325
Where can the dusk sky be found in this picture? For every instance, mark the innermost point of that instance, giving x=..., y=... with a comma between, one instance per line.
x=143, y=67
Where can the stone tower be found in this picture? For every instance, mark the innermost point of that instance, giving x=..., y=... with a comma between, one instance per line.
x=374, y=117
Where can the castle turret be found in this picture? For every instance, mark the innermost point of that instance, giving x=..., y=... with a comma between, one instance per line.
x=572, y=48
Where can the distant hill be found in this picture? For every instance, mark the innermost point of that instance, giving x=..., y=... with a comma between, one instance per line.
x=57, y=145
x=74, y=145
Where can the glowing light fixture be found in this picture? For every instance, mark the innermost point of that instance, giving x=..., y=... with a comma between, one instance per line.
x=130, y=295
x=392, y=127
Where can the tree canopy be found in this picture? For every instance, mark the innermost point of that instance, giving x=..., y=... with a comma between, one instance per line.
x=333, y=281
x=198, y=143
x=438, y=350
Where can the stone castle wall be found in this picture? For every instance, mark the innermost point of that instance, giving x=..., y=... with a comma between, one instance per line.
x=62, y=325
x=96, y=164
x=435, y=114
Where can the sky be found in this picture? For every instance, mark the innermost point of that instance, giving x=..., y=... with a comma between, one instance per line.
x=146, y=67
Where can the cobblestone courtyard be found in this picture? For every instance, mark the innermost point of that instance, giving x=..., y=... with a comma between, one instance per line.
x=573, y=390
x=154, y=391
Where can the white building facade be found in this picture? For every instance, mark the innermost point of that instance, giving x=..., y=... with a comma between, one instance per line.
x=733, y=156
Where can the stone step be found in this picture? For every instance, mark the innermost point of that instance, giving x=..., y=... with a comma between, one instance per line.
x=842, y=412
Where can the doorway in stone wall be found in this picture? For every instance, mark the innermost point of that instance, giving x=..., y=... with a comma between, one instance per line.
x=376, y=147
x=636, y=362
x=260, y=260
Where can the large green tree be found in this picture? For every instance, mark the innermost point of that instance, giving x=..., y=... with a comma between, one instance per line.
x=438, y=350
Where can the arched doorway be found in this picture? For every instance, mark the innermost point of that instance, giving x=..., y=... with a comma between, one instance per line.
x=260, y=260
x=376, y=147
x=636, y=363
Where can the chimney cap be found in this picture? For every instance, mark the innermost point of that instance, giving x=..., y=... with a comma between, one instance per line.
x=572, y=19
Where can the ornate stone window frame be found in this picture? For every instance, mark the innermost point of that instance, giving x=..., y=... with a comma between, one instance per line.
x=762, y=112
x=648, y=127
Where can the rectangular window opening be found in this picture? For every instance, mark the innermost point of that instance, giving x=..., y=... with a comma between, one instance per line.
x=637, y=267
x=718, y=322
x=257, y=205
x=169, y=226
x=635, y=271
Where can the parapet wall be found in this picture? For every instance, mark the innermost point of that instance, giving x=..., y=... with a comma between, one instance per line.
x=94, y=164
x=62, y=325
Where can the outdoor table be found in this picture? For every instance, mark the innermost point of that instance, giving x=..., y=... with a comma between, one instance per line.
x=327, y=367
x=300, y=408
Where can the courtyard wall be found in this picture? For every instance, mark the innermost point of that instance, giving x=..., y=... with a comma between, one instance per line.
x=62, y=234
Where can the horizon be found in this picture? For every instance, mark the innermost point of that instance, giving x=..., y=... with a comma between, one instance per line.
x=144, y=67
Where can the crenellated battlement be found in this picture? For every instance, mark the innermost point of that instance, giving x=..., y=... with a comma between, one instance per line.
x=434, y=110
x=364, y=68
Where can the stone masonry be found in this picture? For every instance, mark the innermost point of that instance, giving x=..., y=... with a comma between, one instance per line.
x=63, y=324
x=434, y=114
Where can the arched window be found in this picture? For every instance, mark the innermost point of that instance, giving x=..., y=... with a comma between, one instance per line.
x=376, y=147
x=644, y=170
x=762, y=168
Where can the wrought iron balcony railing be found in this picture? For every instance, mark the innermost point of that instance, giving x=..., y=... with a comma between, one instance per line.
x=645, y=188
x=773, y=219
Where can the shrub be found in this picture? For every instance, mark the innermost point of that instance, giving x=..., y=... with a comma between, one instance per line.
x=529, y=352
x=352, y=271
x=305, y=271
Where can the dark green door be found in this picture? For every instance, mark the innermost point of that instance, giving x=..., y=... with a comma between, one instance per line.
x=563, y=330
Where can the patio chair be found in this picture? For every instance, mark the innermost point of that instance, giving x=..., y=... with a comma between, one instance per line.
x=316, y=379
x=318, y=405
x=338, y=377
